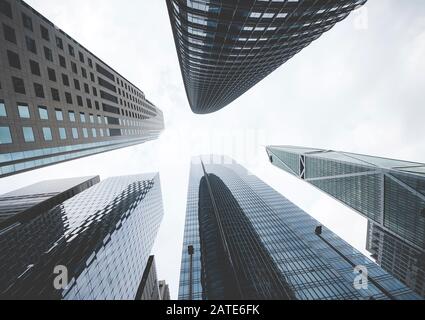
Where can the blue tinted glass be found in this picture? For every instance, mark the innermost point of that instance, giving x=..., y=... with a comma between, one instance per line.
x=5, y=136
x=24, y=112
x=62, y=133
x=47, y=132
x=3, y=112
x=28, y=134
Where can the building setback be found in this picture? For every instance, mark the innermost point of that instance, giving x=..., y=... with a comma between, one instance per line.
x=244, y=241
x=389, y=193
x=58, y=101
x=100, y=239
x=227, y=47
x=164, y=290
x=34, y=199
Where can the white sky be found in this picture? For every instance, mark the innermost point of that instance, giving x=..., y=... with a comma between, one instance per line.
x=358, y=88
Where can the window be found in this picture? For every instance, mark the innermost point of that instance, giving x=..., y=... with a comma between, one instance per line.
x=77, y=84
x=3, y=112
x=90, y=63
x=71, y=115
x=55, y=94
x=74, y=67
x=80, y=101
x=31, y=46
x=59, y=43
x=9, y=33
x=13, y=58
x=59, y=114
x=52, y=74
x=27, y=22
x=94, y=91
x=92, y=77
x=68, y=98
x=86, y=88
x=47, y=133
x=28, y=134
x=42, y=111
x=44, y=33
x=81, y=56
x=24, y=111
x=82, y=117
x=101, y=132
x=84, y=73
x=62, y=133
x=93, y=131
x=6, y=8
x=18, y=85
x=5, y=136
x=75, y=133
x=91, y=118
x=62, y=61
x=85, y=133
x=35, y=68
x=39, y=90
x=89, y=104
x=96, y=103
x=99, y=119
x=48, y=54
x=65, y=80
x=71, y=50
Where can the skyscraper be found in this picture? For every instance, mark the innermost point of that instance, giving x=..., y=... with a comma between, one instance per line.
x=389, y=193
x=34, y=199
x=58, y=101
x=397, y=257
x=226, y=47
x=164, y=290
x=95, y=245
x=243, y=240
x=149, y=287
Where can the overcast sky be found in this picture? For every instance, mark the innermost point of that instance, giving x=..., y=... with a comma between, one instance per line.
x=358, y=88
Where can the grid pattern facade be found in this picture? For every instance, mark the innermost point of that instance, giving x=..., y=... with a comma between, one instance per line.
x=226, y=47
x=308, y=266
x=397, y=257
x=58, y=101
x=389, y=193
x=29, y=201
x=103, y=236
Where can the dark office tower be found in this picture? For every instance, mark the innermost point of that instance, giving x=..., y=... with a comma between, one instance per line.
x=58, y=101
x=164, y=290
x=397, y=257
x=32, y=200
x=95, y=245
x=389, y=193
x=243, y=241
x=149, y=287
x=226, y=47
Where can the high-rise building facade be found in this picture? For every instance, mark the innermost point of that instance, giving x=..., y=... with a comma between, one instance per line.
x=58, y=101
x=164, y=290
x=34, y=199
x=226, y=47
x=243, y=240
x=397, y=257
x=389, y=193
x=95, y=245
x=149, y=286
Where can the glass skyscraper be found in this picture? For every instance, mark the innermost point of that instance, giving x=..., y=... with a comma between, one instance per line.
x=100, y=241
x=243, y=240
x=227, y=47
x=389, y=193
x=58, y=101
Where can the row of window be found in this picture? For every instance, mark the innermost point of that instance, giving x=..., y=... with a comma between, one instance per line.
x=10, y=35
x=28, y=133
x=24, y=113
